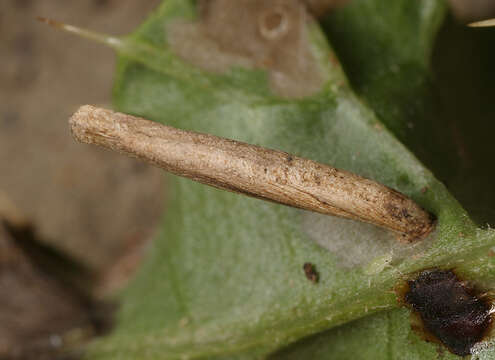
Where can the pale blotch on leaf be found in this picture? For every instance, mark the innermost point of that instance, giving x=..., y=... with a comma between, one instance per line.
x=358, y=244
x=378, y=264
x=191, y=44
x=269, y=35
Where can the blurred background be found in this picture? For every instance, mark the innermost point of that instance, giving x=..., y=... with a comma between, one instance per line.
x=57, y=196
x=70, y=211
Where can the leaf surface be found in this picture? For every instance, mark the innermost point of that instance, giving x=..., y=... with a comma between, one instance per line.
x=423, y=116
x=224, y=278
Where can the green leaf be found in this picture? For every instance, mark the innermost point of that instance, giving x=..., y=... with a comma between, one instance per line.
x=388, y=60
x=224, y=278
x=386, y=335
x=423, y=116
x=434, y=93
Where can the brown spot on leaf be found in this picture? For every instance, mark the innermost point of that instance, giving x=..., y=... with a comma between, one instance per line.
x=449, y=311
x=310, y=272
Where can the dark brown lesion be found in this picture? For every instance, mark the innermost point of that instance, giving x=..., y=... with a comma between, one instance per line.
x=450, y=311
x=310, y=272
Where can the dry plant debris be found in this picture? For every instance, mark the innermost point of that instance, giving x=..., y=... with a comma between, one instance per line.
x=253, y=170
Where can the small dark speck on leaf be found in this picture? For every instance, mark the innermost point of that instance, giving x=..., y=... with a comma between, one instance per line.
x=310, y=272
x=450, y=311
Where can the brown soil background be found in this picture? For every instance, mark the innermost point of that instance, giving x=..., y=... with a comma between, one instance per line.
x=85, y=201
